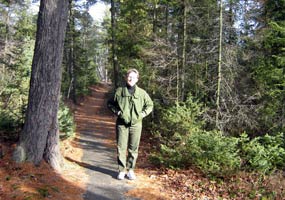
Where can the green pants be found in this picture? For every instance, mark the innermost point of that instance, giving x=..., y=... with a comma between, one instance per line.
x=128, y=140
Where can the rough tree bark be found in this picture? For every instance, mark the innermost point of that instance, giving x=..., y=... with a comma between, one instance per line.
x=39, y=138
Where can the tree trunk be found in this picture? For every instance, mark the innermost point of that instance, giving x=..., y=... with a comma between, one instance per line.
x=219, y=65
x=166, y=20
x=154, y=21
x=183, y=63
x=71, y=58
x=39, y=138
x=114, y=54
x=283, y=103
x=7, y=33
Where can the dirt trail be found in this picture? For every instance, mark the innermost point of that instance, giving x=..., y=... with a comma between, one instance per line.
x=96, y=128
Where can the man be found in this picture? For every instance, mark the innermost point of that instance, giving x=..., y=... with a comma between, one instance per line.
x=131, y=104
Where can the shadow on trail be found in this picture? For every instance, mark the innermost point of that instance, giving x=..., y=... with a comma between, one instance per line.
x=96, y=136
x=112, y=173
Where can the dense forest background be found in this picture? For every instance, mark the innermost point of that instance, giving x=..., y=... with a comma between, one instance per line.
x=215, y=70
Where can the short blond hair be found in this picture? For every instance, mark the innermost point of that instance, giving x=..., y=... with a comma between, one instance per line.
x=133, y=70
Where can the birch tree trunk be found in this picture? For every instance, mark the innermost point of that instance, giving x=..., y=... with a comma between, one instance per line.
x=39, y=138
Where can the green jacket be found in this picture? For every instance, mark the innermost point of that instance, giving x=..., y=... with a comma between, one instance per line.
x=130, y=108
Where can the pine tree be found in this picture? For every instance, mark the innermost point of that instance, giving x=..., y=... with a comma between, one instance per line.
x=40, y=137
x=270, y=71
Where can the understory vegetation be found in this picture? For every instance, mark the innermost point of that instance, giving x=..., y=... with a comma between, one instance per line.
x=184, y=142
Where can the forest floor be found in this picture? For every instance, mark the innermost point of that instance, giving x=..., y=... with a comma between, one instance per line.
x=90, y=170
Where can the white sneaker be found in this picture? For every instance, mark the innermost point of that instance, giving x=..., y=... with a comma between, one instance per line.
x=121, y=175
x=131, y=175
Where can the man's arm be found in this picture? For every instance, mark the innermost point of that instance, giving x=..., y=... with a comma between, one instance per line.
x=148, y=105
x=112, y=104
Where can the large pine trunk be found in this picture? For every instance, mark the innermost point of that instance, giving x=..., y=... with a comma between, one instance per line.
x=39, y=138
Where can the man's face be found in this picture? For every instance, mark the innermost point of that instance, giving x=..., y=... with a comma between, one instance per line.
x=132, y=79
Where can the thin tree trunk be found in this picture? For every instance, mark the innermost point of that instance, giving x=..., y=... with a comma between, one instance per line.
x=178, y=83
x=185, y=11
x=40, y=138
x=283, y=104
x=7, y=22
x=71, y=57
x=166, y=21
x=231, y=21
x=114, y=54
x=154, y=21
x=219, y=65
x=206, y=78
x=7, y=31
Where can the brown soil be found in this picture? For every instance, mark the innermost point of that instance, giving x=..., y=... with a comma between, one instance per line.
x=26, y=182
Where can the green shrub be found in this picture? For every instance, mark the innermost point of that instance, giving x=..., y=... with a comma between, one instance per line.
x=263, y=154
x=8, y=123
x=213, y=152
x=173, y=128
x=185, y=143
x=66, y=122
x=9, y=127
x=181, y=118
